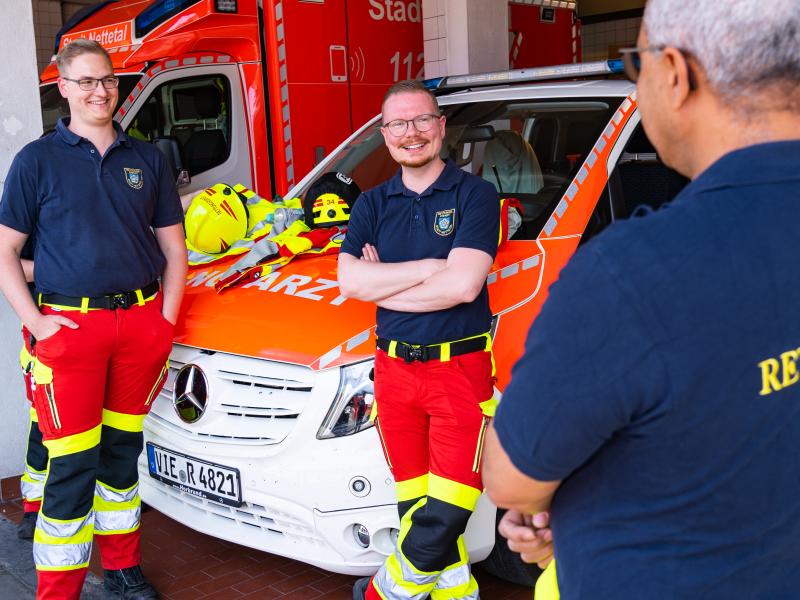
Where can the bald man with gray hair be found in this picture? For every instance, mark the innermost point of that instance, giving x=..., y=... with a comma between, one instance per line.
x=648, y=439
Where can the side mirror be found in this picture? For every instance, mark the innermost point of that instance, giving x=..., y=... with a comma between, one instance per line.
x=172, y=152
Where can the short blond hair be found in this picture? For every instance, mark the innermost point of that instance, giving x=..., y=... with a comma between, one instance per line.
x=410, y=86
x=74, y=49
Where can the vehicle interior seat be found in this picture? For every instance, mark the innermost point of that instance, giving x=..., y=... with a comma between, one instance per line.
x=147, y=121
x=206, y=148
x=510, y=164
x=644, y=181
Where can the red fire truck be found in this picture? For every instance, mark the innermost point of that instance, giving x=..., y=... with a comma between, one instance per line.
x=543, y=33
x=247, y=91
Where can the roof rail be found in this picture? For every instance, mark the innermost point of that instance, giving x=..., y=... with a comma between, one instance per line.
x=452, y=82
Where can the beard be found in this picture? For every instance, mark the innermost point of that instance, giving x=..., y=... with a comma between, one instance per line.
x=419, y=161
x=415, y=162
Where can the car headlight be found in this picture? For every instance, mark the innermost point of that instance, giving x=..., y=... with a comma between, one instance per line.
x=350, y=410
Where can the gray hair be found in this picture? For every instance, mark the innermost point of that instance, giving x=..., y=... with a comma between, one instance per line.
x=77, y=48
x=744, y=46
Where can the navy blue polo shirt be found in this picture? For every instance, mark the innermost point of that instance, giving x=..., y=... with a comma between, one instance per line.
x=459, y=210
x=660, y=383
x=92, y=215
x=27, y=254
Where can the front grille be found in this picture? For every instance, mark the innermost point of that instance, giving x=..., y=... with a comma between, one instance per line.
x=250, y=401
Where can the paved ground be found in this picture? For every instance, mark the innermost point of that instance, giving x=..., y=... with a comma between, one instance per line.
x=186, y=565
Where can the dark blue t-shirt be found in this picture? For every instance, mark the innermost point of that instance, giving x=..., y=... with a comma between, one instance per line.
x=459, y=210
x=92, y=215
x=660, y=383
x=27, y=254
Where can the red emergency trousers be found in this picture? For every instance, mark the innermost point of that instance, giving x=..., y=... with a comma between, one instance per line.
x=93, y=386
x=32, y=481
x=432, y=417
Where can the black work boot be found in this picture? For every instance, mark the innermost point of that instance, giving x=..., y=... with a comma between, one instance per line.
x=128, y=584
x=27, y=526
x=360, y=588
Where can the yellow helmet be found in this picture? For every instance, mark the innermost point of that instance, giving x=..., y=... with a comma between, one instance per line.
x=216, y=219
x=330, y=199
x=330, y=209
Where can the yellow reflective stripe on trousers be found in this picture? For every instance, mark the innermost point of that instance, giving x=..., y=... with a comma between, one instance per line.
x=62, y=545
x=547, y=584
x=122, y=421
x=25, y=358
x=412, y=488
x=453, y=492
x=116, y=511
x=74, y=443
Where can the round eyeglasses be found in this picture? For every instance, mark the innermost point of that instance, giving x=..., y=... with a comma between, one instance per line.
x=422, y=123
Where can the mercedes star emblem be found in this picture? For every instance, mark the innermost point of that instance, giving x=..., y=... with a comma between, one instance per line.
x=190, y=393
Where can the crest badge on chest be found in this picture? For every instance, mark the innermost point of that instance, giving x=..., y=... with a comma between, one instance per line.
x=445, y=221
x=134, y=178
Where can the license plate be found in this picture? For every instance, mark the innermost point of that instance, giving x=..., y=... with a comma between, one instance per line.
x=194, y=476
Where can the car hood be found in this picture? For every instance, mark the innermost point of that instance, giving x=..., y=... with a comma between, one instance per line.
x=297, y=315
x=294, y=315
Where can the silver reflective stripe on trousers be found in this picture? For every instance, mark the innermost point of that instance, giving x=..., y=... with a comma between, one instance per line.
x=454, y=577
x=61, y=555
x=32, y=484
x=393, y=590
x=112, y=521
x=63, y=530
x=116, y=496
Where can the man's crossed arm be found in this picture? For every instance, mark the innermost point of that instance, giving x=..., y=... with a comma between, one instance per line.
x=414, y=286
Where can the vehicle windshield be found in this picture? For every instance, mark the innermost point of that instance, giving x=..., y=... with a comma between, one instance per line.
x=54, y=106
x=529, y=149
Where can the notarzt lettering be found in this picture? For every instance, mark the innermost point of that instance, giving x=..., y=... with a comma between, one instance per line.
x=778, y=373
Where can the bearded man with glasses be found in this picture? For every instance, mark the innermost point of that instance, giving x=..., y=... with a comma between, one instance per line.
x=110, y=265
x=656, y=411
x=420, y=246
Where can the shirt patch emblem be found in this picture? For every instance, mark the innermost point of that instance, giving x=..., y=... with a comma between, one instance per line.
x=134, y=178
x=444, y=221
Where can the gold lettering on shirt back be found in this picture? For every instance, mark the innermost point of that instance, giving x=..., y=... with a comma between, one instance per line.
x=778, y=373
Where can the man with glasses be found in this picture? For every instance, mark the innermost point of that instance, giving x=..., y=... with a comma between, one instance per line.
x=420, y=246
x=110, y=265
x=656, y=411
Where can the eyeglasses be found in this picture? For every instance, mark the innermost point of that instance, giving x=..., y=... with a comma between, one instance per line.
x=421, y=123
x=88, y=84
x=632, y=60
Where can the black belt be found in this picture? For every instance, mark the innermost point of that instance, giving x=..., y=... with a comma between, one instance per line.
x=411, y=352
x=122, y=300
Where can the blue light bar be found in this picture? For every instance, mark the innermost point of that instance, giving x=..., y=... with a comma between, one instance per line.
x=155, y=14
x=589, y=69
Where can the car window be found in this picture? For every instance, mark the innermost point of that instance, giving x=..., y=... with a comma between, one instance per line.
x=529, y=150
x=54, y=106
x=194, y=112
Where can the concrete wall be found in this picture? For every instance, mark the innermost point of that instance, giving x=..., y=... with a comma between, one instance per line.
x=602, y=39
x=464, y=36
x=20, y=122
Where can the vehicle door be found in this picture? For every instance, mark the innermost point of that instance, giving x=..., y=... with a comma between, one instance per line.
x=201, y=109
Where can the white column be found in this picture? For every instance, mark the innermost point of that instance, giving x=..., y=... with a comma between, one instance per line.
x=20, y=122
x=464, y=36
